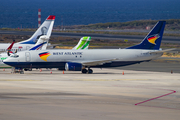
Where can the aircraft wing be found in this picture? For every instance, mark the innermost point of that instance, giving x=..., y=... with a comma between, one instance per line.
x=98, y=62
x=162, y=51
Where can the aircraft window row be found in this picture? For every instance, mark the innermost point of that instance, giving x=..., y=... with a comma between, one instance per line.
x=144, y=53
x=15, y=49
x=11, y=49
x=2, y=49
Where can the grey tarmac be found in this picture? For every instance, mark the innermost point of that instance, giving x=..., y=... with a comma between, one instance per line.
x=106, y=94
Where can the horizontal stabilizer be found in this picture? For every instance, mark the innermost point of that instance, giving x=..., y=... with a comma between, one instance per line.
x=162, y=51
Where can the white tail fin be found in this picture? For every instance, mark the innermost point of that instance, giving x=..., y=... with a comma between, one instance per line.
x=41, y=43
x=83, y=43
x=44, y=29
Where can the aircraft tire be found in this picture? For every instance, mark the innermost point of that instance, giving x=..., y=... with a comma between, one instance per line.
x=90, y=71
x=84, y=71
x=21, y=72
x=30, y=69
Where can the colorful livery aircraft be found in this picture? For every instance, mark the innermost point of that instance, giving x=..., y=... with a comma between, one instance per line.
x=41, y=44
x=84, y=60
x=44, y=29
x=83, y=43
x=4, y=55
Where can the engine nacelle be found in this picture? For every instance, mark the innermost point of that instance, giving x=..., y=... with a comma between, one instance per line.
x=70, y=66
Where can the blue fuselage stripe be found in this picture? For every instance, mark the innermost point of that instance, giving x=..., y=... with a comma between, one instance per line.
x=62, y=64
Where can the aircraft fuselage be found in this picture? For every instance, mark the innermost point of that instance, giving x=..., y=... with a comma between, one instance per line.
x=58, y=58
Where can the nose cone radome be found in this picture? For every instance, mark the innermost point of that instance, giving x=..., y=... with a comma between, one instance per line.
x=7, y=61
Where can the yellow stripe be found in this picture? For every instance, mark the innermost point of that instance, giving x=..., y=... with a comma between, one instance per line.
x=153, y=40
x=106, y=79
x=18, y=80
x=45, y=57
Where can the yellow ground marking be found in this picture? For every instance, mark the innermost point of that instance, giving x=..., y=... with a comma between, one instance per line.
x=17, y=80
x=107, y=79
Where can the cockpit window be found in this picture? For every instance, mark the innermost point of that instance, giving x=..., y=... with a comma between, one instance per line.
x=14, y=55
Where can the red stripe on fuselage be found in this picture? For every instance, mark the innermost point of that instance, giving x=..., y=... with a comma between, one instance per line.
x=43, y=54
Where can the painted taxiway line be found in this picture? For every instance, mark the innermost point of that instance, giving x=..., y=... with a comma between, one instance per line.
x=107, y=79
x=156, y=97
x=144, y=87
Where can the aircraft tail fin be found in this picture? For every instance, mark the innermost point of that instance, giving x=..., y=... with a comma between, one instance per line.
x=9, y=52
x=83, y=43
x=10, y=47
x=153, y=40
x=41, y=43
x=44, y=29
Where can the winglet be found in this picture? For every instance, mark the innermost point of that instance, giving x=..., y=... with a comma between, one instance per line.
x=83, y=43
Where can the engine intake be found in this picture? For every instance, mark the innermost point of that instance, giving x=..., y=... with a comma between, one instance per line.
x=70, y=66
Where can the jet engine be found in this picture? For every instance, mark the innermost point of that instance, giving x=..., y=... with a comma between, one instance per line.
x=70, y=66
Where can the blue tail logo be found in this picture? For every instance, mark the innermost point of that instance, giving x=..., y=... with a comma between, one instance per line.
x=153, y=40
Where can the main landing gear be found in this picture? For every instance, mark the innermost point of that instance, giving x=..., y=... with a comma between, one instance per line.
x=27, y=69
x=17, y=70
x=89, y=71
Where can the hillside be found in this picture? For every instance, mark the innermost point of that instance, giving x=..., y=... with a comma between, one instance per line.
x=171, y=24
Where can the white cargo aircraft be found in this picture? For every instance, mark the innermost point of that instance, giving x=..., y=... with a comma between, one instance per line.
x=41, y=44
x=26, y=44
x=74, y=60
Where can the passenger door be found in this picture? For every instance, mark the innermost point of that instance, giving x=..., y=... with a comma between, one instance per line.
x=28, y=57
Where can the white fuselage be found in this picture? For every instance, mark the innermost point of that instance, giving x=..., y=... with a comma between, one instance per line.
x=3, y=56
x=16, y=46
x=57, y=57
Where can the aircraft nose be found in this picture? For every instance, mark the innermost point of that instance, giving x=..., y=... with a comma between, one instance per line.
x=6, y=61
